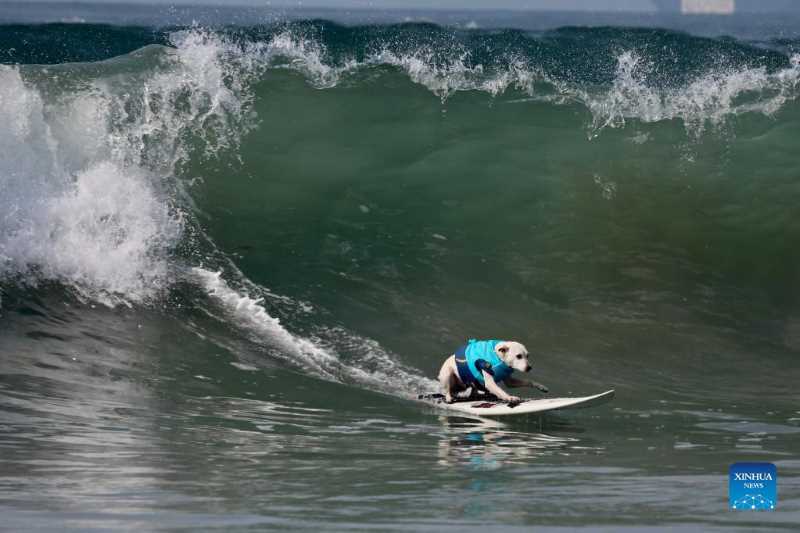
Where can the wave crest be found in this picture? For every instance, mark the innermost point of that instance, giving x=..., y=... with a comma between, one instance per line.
x=87, y=189
x=710, y=99
x=710, y=96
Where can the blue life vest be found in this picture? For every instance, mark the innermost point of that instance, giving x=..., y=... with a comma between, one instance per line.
x=477, y=356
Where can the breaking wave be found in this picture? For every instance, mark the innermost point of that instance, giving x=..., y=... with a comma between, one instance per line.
x=99, y=158
x=88, y=186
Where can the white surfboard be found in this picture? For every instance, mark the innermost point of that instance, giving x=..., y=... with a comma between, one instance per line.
x=526, y=406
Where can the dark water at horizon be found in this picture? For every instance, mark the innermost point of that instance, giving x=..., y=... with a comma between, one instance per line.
x=229, y=258
x=765, y=21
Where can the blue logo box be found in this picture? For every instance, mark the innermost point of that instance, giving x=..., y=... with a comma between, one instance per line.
x=753, y=486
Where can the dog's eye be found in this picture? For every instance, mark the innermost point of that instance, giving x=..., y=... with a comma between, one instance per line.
x=519, y=356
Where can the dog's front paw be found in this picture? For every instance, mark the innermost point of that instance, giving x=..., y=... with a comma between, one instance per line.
x=448, y=399
x=513, y=401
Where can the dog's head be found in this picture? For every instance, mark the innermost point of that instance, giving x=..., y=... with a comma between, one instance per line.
x=513, y=354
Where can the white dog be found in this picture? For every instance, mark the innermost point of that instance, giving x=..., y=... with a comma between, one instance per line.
x=482, y=365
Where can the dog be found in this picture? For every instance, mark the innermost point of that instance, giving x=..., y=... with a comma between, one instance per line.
x=482, y=365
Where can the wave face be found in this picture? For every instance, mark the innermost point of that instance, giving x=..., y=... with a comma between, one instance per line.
x=228, y=257
x=96, y=195
x=309, y=170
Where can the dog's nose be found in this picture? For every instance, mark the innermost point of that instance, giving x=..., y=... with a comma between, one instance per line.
x=528, y=368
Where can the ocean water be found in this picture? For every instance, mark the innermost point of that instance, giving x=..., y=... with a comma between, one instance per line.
x=231, y=256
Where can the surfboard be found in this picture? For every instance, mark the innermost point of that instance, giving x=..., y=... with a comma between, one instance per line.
x=491, y=406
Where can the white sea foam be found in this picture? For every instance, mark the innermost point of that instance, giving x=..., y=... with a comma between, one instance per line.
x=304, y=55
x=106, y=233
x=86, y=170
x=78, y=217
x=445, y=79
x=709, y=99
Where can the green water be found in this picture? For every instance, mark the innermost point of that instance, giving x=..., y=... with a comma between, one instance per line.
x=634, y=225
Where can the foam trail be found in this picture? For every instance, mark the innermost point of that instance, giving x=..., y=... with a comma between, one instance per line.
x=249, y=313
x=372, y=367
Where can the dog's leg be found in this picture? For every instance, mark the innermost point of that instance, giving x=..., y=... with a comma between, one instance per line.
x=447, y=388
x=448, y=380
x=494, y=388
